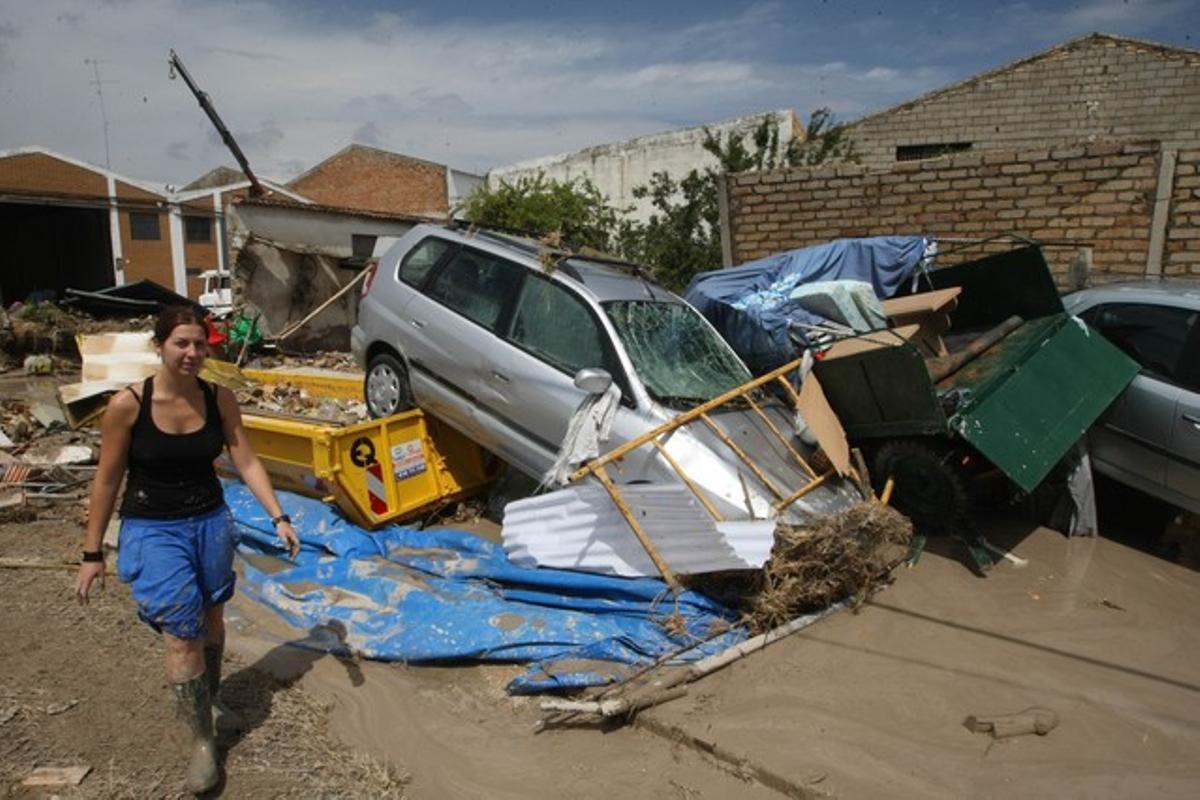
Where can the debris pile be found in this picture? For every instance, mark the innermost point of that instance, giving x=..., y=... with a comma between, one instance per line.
x=325, y=359
x=287, y=398
x=42, y=463
x=842, y=555
x=44, y=328
x=17, y=424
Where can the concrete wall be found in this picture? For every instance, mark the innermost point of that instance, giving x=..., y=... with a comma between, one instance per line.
x=287, y=260
x=1101, y=196
x=307, y=230
x=459, y=184
x=377, y=180
x=617, y=168
x=1091, y=89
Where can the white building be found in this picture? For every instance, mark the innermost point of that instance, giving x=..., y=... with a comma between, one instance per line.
x=618, y=167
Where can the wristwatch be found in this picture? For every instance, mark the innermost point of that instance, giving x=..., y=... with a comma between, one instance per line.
x=281, y=518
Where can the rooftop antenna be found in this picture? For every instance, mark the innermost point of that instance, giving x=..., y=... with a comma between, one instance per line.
x=95, y=64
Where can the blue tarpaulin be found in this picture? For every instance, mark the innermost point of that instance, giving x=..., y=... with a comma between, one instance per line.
x=751, y=305
x=443, y=595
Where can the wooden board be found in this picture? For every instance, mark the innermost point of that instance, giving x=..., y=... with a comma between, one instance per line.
x=871, y=341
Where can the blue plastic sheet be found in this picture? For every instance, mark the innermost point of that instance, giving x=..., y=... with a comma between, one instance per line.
x=751, y=305
x=443, y=595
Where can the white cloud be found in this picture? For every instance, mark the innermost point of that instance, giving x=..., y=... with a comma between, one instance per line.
x=1108, y=16
x=881, y=74
x=473, y=95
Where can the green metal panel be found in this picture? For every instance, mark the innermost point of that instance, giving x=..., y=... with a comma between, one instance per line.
x=1032, y=395
x=884, y=392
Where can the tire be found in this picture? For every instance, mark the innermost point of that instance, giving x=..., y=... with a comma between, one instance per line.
x=385, y=387
x=930, y=490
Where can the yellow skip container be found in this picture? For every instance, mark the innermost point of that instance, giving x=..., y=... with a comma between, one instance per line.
x=377, y=472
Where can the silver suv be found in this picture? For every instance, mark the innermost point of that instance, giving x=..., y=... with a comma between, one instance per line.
x=1150, y=437
x=503, y=341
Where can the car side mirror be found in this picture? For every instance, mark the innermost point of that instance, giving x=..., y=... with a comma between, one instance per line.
x=593, y=380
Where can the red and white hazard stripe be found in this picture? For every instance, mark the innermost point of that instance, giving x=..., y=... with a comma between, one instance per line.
x=375, y=491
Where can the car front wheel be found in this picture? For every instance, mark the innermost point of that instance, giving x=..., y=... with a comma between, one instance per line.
x=386, y=387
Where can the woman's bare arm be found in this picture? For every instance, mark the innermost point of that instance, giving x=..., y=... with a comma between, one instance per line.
x=253, y=474
x=116, y=427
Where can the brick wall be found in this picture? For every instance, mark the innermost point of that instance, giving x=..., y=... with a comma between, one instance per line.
x=374, y=180
x=1097, y=88
x=1100, y=195
x=39, y=174
x=1182, y=252
x=148, y=258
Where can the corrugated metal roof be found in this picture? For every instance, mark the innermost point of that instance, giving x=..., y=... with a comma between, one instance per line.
x=580, y=528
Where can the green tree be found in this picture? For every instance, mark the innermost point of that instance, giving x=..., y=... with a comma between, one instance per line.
x=574, y=210
x=682, y=236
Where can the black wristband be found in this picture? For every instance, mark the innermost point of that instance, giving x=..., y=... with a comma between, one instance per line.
x=281, y=518
x=93, y=556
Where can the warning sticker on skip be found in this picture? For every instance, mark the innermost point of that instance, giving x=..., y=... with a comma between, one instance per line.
x=408, y=459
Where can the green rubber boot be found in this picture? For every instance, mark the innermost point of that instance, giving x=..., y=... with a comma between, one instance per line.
x=194, y=707
x=224, y=719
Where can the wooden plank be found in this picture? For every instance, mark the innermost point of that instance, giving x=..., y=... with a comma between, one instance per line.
x=823, y=422
x=56, y=776
x=922, y=303
x=787, y=501
x=871, y=341
x=680, y=420
x=602, y=474
x=704, y=501
x=741, y=454
x=779, y=434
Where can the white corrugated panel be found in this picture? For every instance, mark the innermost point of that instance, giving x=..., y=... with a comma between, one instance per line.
x=580, y=528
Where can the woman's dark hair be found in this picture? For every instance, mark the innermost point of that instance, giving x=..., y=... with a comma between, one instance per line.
x=172, y=316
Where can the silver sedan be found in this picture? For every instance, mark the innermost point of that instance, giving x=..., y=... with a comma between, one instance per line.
x=1150, y=438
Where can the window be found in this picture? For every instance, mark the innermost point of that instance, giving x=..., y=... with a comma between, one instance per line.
x=197, y=229
x=476, y=285
x=555, y=326
x=678, y=356
x=362, y=245
x=916, y=152
x=143, y=226
x=1154, y=336
x=417, y=263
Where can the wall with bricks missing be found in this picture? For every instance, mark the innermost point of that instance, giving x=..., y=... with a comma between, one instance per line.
x=1101, y=196
x=376, y=180
x=1090, y=89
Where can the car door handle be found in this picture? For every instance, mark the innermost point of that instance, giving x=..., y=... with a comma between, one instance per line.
x=416, y=323
x=1192, y=418
x=499, y=377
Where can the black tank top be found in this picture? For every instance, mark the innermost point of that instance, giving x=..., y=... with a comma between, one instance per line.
x=171, y=475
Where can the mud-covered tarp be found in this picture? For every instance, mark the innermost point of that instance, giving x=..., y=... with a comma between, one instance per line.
x=751, y=305
x=402, y=594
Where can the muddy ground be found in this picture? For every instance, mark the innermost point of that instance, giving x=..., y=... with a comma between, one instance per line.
x=862, y=705
x=85, y=686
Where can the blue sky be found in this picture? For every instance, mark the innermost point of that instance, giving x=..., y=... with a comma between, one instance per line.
x=479, y=84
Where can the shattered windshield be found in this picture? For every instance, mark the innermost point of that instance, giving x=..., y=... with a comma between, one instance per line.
x=676, y=354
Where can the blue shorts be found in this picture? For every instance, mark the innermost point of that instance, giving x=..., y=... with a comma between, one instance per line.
x=178, y=568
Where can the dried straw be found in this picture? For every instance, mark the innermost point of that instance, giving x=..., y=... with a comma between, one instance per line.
x=842, y=555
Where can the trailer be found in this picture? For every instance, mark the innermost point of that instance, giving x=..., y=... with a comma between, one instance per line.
x=382, y=471
x=983, y=375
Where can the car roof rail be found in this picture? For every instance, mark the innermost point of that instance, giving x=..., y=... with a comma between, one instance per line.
x=530, y=244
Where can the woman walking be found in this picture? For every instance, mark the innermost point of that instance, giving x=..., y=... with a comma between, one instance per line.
x=177, y=536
